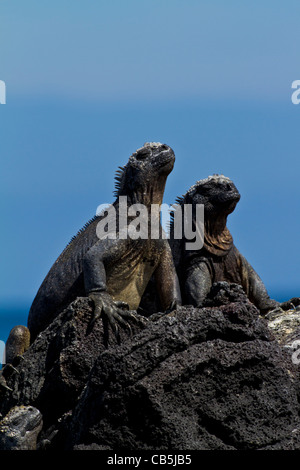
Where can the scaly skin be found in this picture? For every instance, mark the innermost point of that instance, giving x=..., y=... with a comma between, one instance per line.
x=114, y=272
x=20, y=428
x=218, y=259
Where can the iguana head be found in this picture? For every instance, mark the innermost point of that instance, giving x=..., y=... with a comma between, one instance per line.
x=143, y=178
x=20, y=428
x=219, y=196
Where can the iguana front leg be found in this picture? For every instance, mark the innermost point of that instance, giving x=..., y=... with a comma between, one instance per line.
x=255, y=288
x=290, y=304
x=197, y=284
x=114, y=313
x=167, y=283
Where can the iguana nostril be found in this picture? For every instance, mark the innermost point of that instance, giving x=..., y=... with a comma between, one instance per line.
x=142, y=155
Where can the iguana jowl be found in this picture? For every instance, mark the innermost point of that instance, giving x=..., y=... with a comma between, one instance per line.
x=218, y=259
x=114, y=272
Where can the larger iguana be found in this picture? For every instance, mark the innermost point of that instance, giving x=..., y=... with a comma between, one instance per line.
x=114, y=272
x=218, y=259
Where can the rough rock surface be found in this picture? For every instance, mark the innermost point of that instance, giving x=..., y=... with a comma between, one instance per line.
x=56, y=366
x=209, y=378
x=285, y=325
x=20, y=428
x=286, y=328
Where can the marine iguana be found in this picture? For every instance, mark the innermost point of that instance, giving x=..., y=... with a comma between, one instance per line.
x=20, y=428
x=114, y=272
x=218, y=259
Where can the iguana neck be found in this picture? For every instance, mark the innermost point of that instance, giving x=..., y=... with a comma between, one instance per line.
x=151, y=193
x=217, y=238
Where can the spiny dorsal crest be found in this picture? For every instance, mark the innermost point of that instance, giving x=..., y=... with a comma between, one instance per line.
x=120, y=176
x=120, y=181
x=82, y=229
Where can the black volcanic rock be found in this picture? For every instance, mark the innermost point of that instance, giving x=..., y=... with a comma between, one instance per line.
x=56, y=366
x=209, y=378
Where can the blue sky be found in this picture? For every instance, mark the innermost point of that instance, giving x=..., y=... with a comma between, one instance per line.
x=89, y=82
x=150, y=49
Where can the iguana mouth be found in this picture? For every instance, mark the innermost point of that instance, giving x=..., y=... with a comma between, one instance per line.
x=228, y=201
x=165, y=158
x=160, y=154
x=231, y=196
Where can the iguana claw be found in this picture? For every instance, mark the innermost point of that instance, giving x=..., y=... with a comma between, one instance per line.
x=115, y=313
x=290, y=304
x=3, y=383
x=7, y=370
x=11, y=367
x=172, y=307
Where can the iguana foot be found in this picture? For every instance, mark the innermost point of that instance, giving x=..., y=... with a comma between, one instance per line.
x=6, y=371
x=290, y=304
x=114, y=313
x=3, y=384
x=174, y=305
x=11, y=368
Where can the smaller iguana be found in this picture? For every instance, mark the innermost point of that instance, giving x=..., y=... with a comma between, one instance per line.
x=218, y=259
x=20, y=428
x=113, y=272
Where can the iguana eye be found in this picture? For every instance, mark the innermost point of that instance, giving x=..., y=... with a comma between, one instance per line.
x=142, y=155
x=204, y=189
